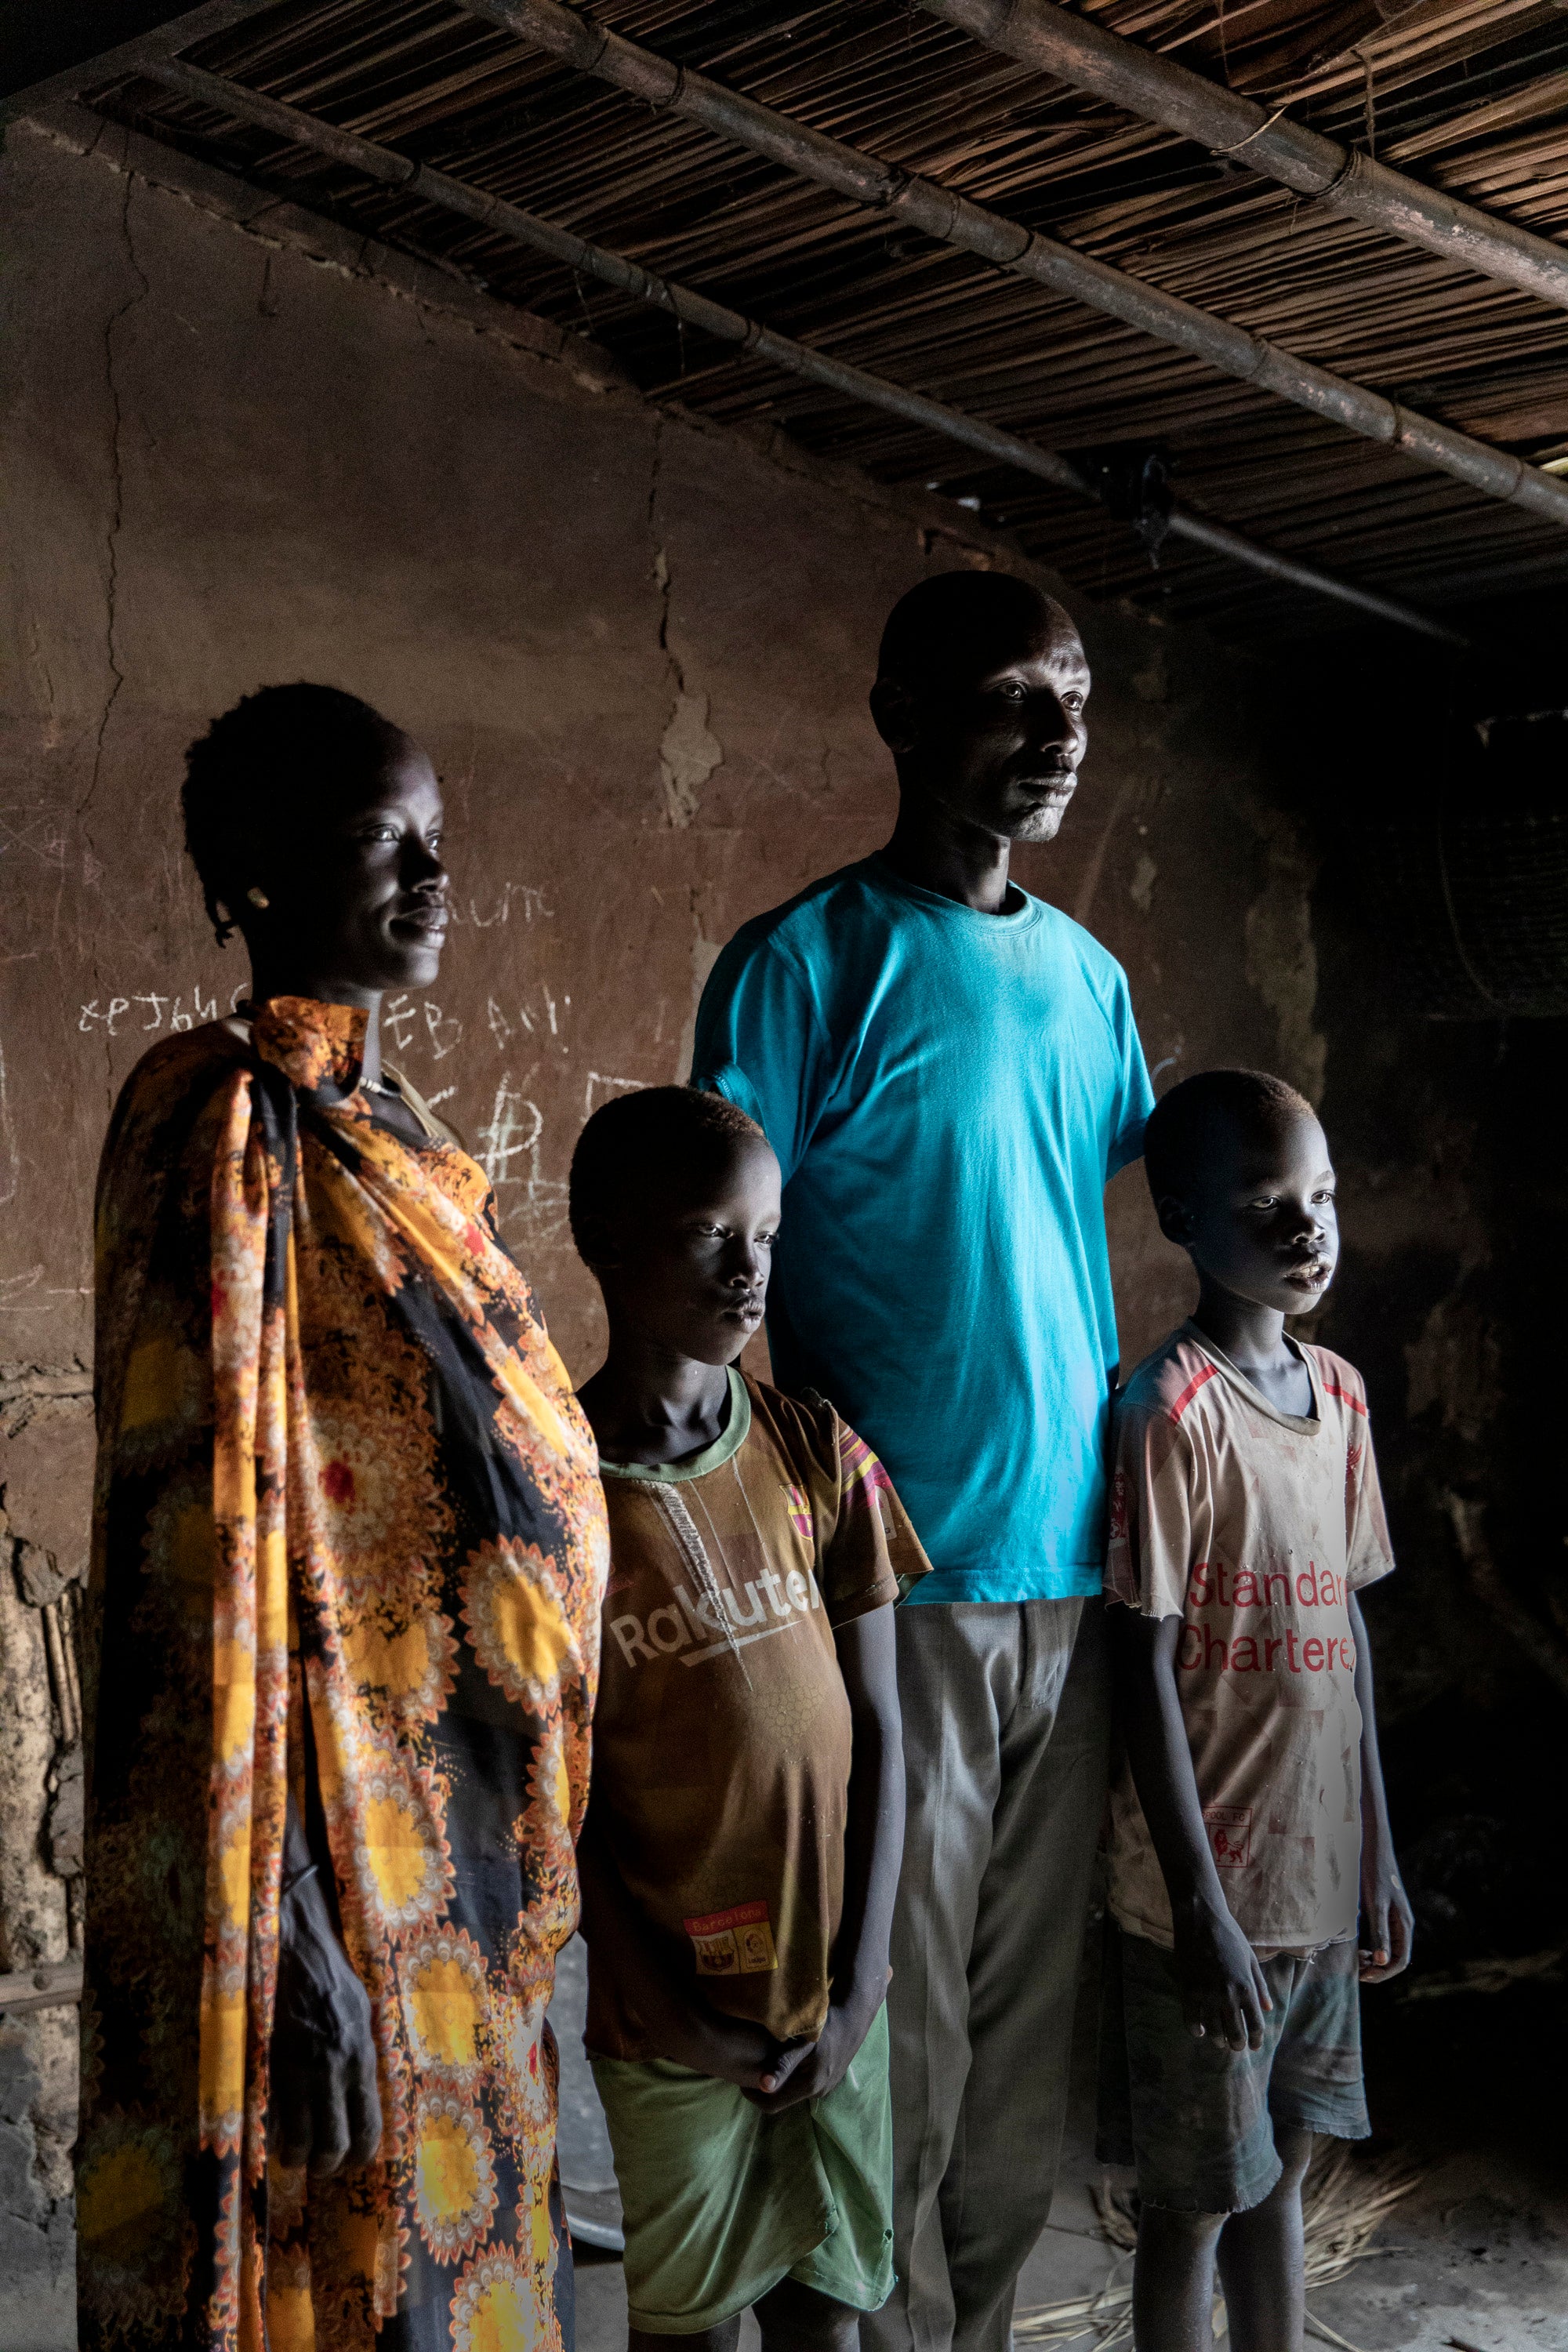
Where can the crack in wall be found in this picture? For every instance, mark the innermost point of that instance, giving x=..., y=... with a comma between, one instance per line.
x=117, y=496
x=111, y=565
x=689, y=750
x=660, y=562
x=284, y=229
x=36, y=654
x=564, y=347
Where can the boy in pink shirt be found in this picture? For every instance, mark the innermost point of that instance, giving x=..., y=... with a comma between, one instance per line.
x=1249, y=1829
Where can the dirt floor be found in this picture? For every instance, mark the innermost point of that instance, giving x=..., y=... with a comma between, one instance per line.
x=1469, y=2087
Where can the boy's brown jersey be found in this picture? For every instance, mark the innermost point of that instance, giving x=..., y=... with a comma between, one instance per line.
x=1253, y=1527
x=721, y=1739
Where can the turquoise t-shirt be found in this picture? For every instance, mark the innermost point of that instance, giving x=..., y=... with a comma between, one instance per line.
x=948, y=1093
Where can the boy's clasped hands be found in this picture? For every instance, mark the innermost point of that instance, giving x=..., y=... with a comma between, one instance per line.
x=772, y=2074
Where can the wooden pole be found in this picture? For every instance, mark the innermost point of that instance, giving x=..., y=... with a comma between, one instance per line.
x=951, y=219
x=1089, y=56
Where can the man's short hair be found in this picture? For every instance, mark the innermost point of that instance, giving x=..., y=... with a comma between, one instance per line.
x=956, y=619
x=1178, y=1142
x=640, y=1145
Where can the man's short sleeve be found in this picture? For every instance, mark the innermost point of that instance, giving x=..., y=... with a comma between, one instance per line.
x=1149, y=1556
x=1135, y=1095
x=761, y=1044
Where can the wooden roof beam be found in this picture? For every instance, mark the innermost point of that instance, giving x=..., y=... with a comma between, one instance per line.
x=682, y=302
x=950, y=218
x=1089, y=56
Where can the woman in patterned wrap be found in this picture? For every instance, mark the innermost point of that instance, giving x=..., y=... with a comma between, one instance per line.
x=348, y=1558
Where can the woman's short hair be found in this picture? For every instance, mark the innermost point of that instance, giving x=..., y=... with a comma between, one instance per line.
x=640, y=1145
x=1178, y=1142
x=281, y=748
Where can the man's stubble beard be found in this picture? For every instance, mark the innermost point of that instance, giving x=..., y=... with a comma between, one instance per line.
x=1040, y=824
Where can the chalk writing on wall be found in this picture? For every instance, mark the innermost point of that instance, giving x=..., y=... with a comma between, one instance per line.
x=148, y=1010
x=158, y=1011
x=401, y=1021
x=546, y=1019
x=524, y=896
x=509, y=1145
x=526, y=1199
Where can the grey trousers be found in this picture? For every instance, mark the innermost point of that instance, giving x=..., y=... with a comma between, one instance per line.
x=1005, y=1707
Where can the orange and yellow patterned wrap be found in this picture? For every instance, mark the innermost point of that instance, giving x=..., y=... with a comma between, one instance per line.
x=348, y=1511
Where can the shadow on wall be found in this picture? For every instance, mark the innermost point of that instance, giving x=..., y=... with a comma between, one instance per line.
x=1442, y=927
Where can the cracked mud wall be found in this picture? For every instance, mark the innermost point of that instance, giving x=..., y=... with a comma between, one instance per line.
x=45, y=1462
x=241, y=449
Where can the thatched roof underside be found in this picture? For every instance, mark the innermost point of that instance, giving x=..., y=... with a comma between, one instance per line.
x=1469, y=95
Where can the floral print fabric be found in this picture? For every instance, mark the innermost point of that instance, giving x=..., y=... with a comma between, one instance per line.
x=348, y=1542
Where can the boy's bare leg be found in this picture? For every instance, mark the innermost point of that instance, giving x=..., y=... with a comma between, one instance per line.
x=795, y=2318
x=1262, y=2261
x=722, y=2338
x=1173, y=2280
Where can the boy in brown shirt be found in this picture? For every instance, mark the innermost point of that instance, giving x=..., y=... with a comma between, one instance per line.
x=746, y=1815
x=1249, y=1824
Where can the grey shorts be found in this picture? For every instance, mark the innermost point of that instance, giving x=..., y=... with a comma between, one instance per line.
x=1197, y=2118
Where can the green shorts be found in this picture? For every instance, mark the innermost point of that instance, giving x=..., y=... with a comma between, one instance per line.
x=721, y=2201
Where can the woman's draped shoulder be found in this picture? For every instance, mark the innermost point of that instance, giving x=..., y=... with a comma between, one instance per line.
x=154, y=1165
x=349, y=1545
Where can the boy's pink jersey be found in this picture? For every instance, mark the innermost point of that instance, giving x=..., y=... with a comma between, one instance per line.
x=1252, y=1526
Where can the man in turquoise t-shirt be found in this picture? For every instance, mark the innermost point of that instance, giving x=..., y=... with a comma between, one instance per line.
x=949, y=1072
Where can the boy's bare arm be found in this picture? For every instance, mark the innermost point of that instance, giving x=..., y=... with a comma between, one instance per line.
x=873, y=1851
x=1223, y=1988
x=1388, y=1926
x=683, y=2028
x=874, y=1829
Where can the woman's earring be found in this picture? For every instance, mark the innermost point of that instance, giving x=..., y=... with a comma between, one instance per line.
x=256, y=896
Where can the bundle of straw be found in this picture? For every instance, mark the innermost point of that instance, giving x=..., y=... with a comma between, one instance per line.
x=1343, y=2205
